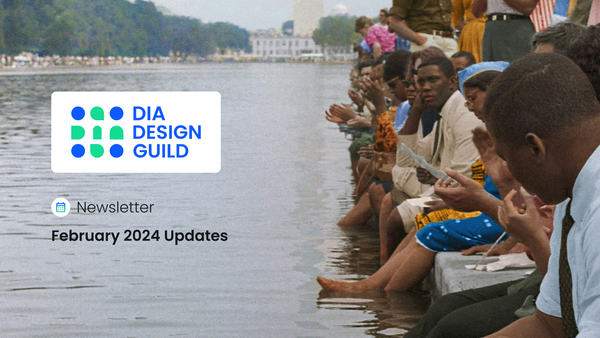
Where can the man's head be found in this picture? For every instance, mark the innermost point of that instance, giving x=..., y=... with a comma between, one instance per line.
x=462, y=60
x=377, y=71
x=539, y=112
x=556, y=39
x=383, y=14
x=365, y=69
x=585, y=52
x=437, y=82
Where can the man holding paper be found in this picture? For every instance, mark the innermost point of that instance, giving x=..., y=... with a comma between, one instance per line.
x=448, y=146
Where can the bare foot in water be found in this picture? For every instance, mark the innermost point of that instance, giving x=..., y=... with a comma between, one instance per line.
x=334, y=285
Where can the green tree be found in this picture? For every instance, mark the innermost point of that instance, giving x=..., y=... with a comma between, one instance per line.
x=59, y=36
x=226, y=35
x=2, y=44
x=108, y=27
x=21, y=30
x=336, y=31
x=190, y=36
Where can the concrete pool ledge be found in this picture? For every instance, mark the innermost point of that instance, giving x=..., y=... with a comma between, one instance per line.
x=450, y=275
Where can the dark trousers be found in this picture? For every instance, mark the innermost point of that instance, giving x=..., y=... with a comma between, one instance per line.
x=507, y=40
x=471, y=313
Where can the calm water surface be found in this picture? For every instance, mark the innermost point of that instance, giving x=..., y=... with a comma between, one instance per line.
x=284, y=183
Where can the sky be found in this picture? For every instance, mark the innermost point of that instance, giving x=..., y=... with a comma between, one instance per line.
x=260, y=14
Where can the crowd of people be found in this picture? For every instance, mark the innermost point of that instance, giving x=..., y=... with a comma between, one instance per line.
x=506, y=115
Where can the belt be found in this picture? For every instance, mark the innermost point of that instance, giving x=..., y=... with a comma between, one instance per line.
x=506, y=17
x=444, y=34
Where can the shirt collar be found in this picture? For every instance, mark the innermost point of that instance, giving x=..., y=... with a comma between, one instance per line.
x=585, y=186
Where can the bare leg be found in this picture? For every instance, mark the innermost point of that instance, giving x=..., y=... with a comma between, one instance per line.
x=405, y=242
x=378, y=280
x=359, y=214
x=414, y=267
x=387, y=206
x=394, y=232
x=376, y=196
x=354, y=166
x=364, y=171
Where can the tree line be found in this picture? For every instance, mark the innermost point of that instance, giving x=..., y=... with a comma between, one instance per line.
x=109, y=27
x=336, y=31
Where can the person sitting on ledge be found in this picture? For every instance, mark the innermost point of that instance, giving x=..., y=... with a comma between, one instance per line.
x=415, y=256
x=543, y=115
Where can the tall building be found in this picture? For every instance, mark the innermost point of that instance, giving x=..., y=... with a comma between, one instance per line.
x=307, y=14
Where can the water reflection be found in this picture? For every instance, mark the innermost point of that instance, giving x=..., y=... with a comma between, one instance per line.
x=354, y=257
x=285, y=182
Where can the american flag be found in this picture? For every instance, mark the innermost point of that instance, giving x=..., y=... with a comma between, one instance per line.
x=542, y=14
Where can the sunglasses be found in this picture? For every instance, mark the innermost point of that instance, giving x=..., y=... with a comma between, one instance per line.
x=405, y=83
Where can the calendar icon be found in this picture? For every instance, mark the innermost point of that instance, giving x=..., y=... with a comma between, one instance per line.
x=61, y=207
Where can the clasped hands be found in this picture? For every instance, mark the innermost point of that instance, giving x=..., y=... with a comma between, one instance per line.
x=340, y=113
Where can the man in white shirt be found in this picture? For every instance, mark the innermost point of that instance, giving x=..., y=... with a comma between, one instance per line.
x=543, y=116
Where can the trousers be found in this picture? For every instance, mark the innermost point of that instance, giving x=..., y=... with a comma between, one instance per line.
x=471, y=313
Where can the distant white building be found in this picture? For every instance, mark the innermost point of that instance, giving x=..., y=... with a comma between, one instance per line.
x=307, y=14
x=339, y=9
x=282, y=45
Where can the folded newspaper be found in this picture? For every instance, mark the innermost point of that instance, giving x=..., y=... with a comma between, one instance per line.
x=422, y=162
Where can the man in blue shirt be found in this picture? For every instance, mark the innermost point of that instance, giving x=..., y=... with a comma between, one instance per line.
x=543, y=116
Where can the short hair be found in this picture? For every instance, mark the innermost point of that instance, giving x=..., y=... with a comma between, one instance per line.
x=444, y=63
x=465, y=55
x=560, y=36
x=385, y=11
x=482, y=80
x=368, y=63
x=585, y=52
x=363, y=21
x=545, y=94
x=396, y=65
x=425, y=55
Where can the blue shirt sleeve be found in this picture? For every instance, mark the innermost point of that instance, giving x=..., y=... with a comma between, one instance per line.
x=401, y=115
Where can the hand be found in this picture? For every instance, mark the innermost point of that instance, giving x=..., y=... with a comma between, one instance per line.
x=500, y=248
x=434, y=206
x=464, y=195
x=359, y=122
x=355, y=97
x=484, y=144
x=374, y=93
x=479, y=7
x=425, y=177
x=546, y=215
x=523, y=222
x=418, y=105
x=420, y=40
x=368, y=151
x=460, y=25
x=343, y=111
x=332, y=118
x=496, y=167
